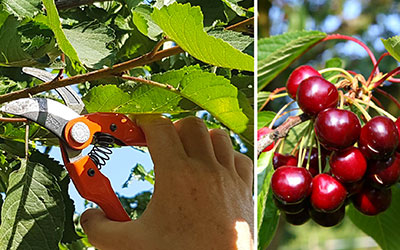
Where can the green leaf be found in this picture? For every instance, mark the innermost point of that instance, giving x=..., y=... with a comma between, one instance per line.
x=139, y=173
x=33, y=211
x=22, y=8
x=276, y=53
x=236, y=39
x=90, y=42
x=53, y=21
x=145, y=24
x=194, y=87
x=269, y=222
x=183, y=24
x=213, y=11
x=383, y=228
x=262, y=96
x=334, y=62
x=235, y=7
x=264, y=118
x=392, y=45
x=294, y=136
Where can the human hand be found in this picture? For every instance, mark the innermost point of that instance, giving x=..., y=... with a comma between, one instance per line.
x=202, y=194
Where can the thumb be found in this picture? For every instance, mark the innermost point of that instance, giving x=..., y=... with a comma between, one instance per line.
x=102, y=232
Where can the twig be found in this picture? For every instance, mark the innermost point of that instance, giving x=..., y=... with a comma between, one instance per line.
x=280, y=131
x=4, y=119
x=386, y=94
x=150, y=82
x=94, y=75
x=157, y=47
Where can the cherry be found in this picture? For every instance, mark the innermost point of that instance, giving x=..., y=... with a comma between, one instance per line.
x=353, y=187
x=298, y=218
x=314, y=167
x=315, y=94
x=348, y=165
x=379, y=138
x=291, y=184
x=328, y=219
x=384, y=173
x=261, y=132
x=327, y=193
x=297, y=76
x=398, y=130
x=290, y=208
x=283, y=160
x=372, y=201
x=337, y=129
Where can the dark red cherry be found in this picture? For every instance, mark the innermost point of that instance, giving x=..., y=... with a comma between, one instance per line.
x=298, y=218
x=316, y=94
x=337, y=129
x=291, y=184
x=384, y=173
x=379, y=138
x=348, y=165
x=353, y=187
x=327, y=193
x=280, y=160
x=261, y=132
x=314, y=167
x=328, y=219
x=297, y=76
x=291, y=208
x=372, y=201
x=398, y=130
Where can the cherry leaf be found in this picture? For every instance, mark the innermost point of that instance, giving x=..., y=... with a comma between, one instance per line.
x=392, y=45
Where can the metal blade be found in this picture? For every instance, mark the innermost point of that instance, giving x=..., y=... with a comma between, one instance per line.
x=46, y=112
x=69, y=96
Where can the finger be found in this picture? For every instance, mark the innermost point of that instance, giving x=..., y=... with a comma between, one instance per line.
x=223, y=148
x=195, y=138
x=102, y=232
x=162, y=138
x=244, y=167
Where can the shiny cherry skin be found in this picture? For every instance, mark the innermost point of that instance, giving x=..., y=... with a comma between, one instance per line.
x=379, y=138
x=314, y=167
x=398, y=130
x=354, y=187
x=280, y=160
x=291, y=184
x=297, y=76
x=327, y=193
x=315, y=94
x=372, y=201
x=348, y=165
x=263, y=131
x=337, y=129
x=328, y=219
x=291, y=208
x=384, y=173
x=298, y=218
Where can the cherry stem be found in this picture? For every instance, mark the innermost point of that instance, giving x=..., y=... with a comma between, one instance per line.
x=277, y=116
x=349, y=77
x=335, y=76
x=379, y=110
x=365, y=113
x=311, y=146
x=276, y=91
x=349, y=38
x=319, y=157
x=377, y=101
x=341, y=99
x=375, y=66
x=386, y=94
x=303, y=145
x=385, y=77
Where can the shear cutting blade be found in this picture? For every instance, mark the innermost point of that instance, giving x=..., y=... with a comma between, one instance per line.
x=46, y=112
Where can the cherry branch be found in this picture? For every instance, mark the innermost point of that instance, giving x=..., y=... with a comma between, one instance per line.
x=94, y=75
x=280, y=131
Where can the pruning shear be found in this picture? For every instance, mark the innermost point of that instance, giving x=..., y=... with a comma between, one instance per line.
x=76, y=130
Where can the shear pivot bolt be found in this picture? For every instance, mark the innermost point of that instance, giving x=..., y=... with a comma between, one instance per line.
x=80, y=132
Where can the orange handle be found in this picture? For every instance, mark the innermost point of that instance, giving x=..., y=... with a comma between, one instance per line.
x=94, y=186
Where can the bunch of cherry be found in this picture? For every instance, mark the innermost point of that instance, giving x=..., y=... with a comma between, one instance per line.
x=362, y=175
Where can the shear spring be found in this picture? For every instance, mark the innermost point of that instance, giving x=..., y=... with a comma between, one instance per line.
x=101, y=150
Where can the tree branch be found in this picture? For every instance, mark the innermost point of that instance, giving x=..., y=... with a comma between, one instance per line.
x=94, y=75
x=68, y=4
x=280, y=131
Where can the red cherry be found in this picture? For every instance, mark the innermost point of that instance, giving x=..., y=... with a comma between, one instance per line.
x=348, y=165
x=283, y=160
x=384, y=173
x=298, y=218
x=314, y=167
x=353, y=187
x=372, y=201
x=261, y=132
x=297, y=76
x=316, y=94
x=328, y=219
x=337, y=129
x=398, y=130
x=379, y=138
x=291, y=184
x=327, y=193
x=290, y=208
